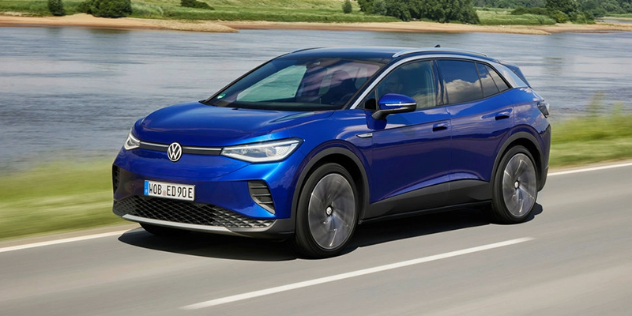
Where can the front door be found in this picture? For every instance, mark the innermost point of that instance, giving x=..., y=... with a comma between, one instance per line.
x=411, y=151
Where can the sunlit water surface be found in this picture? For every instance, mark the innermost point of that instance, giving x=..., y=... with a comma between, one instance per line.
x=72, y=93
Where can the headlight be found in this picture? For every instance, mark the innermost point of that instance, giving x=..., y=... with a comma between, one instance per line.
x=263, y=152
x=131, y=142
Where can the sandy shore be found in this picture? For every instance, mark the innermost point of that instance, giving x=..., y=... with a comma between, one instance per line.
x=84, y=20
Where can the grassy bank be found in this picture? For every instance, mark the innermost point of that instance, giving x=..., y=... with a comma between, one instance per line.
x=591, y=139
x=504, y=17
x=61, y=197
x=54, y=198
x=226, y=10
x=263, y=10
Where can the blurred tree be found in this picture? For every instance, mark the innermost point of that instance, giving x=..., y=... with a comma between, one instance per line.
x=108, y=8
x=366, y=6
x=567, y=7
x=346, y=7
x=56, y=7
x=437, y=10
x=379, y=7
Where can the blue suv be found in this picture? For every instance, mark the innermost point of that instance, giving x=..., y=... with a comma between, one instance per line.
x=315, y=142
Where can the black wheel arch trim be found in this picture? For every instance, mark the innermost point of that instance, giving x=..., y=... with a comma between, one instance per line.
x=312, y=161
x=524, y=135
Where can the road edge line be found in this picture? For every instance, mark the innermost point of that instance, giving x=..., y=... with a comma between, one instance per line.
x=559, y=173
x=61, y=241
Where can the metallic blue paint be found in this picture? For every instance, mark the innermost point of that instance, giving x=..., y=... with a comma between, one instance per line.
x=402, y=154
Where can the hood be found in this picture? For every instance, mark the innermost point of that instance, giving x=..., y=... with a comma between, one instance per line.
x=197, y=124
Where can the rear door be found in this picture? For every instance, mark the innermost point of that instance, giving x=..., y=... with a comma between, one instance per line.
x=482, y=116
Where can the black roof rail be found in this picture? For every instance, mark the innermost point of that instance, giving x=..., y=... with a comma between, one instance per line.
x=436, y=49
x=302, y=49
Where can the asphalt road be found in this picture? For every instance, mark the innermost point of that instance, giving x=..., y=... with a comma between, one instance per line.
x=574, y=257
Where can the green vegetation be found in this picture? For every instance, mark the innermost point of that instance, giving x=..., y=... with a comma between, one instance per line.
x=508, y=4
x=347, y=7
x=195, y=4
x=525, y=12
x=590, y=8
x=56, y=7
x=107, y=8
x=54, y=198
x=226, y=10
x=592, y=138
x=444, y=11
x=502, y=17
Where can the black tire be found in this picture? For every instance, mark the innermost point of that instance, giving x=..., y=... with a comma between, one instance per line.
x=165, y=232
x=514, y=187
x=327, y=213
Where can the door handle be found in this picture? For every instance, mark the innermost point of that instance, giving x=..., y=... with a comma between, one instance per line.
x=439, y=127
x=502, y=115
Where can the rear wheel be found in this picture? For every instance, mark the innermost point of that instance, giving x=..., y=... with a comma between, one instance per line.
x=163, y=231
x=514, y=187
x=327, y=212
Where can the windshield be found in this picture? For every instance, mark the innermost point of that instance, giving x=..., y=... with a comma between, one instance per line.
x=298, y=85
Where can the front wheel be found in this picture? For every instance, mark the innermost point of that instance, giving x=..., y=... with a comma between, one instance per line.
x=514, y=187
x=327, y=212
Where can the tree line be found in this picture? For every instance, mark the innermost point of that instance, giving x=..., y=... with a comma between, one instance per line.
x=436, y=10
x=595, y=8
x=578, y=11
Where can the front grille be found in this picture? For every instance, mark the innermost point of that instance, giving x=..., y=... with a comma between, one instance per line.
x=186, y=212
x=115, y=178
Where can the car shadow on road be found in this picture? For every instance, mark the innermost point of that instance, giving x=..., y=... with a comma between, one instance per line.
x=241, y=248
x=426, y=224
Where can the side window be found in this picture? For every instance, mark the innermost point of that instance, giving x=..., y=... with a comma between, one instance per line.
x=489, y=87
x=461, y=81
x=414, y=79
x=500, y=83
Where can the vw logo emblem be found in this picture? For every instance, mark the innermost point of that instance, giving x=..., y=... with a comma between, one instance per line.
x=174, y=152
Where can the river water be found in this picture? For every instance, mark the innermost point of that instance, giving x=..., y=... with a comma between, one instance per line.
x=73, y=93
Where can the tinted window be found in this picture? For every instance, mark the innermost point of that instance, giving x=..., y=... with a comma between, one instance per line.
x=461, y=81
x=414, y=79
x=489, y=87
x=500, y=83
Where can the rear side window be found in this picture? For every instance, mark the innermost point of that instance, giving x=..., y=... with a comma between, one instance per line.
x=460, y=79
x=500, y=83
x=490, y=80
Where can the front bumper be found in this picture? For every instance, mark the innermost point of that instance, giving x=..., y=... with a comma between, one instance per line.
x=224, y=199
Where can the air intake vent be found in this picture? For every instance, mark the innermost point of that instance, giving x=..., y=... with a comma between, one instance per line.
x=115, y=178
x=261, y=195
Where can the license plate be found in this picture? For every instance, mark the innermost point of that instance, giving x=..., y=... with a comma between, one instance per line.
x=170, y=190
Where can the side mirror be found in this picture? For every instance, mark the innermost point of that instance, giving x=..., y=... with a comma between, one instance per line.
x=392, y=103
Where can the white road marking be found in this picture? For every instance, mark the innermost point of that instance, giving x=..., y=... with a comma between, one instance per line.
x=337, y=277
x=61, y=241
x=590, y=169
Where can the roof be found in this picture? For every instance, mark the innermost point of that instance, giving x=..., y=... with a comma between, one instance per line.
x=384, y=53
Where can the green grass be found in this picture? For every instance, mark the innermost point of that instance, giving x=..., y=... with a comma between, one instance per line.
x=502, y=17
x=226, y=10
x=54, y=198
x=591, y=139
